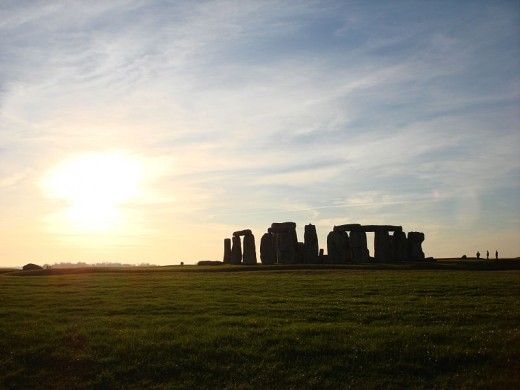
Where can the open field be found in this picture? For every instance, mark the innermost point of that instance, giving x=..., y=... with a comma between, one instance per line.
x=448, y=324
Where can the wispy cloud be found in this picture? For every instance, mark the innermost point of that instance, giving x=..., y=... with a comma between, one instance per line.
x=329, y=112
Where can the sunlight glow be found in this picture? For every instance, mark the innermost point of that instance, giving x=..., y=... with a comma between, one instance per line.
x=94, y=188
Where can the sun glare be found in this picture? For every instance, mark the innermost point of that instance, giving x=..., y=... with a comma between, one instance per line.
x=94, y=187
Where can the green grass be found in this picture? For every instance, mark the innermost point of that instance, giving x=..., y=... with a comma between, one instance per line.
x=454, y=326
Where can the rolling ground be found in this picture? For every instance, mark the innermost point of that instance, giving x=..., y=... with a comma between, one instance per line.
x=446, y=324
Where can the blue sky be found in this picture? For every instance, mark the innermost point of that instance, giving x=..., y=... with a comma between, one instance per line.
x=225, y=115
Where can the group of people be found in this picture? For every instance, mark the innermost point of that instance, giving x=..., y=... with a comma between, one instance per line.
x=487, y=255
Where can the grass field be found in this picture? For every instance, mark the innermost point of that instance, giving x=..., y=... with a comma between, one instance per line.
x=443, y=325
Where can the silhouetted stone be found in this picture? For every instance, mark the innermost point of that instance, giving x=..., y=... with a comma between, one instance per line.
x=400, y=246
x=300, y=253
x=338, y=247
x=281, y=227
x=386, y=248
x=415, y=252
x=286, y=242
x=382, y=228
x=267, y=249
x=294, y=239
x=236, y=251
x=227, y=250
x=31, y=267
x=350, y=227
x=383, y=248
x=287, y=246
x=280, y=244
x=321, y=257
x=353, y=227
x=244, y=232
x=311, y=247
x=249, y=249
x=358, y=247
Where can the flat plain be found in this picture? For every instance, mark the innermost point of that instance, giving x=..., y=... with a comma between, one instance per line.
x=447, y=324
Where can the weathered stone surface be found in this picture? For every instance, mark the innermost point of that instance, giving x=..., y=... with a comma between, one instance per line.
x=249, y=249
x=358, y=247
x=338, y=247
x=310, y=238
x=242, y=233
x=236, y=251
x=31, y=267
x=415, y=240
x=383, y=247
x=287, y=247
x=267, y=249
x=282, y=227
x=227, y=250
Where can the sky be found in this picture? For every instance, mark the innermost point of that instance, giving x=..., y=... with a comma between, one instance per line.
x=148, y=131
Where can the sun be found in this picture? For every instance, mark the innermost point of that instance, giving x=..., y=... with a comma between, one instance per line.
x=93, y=188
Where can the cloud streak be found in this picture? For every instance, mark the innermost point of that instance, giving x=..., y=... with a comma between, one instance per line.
x=335, y=111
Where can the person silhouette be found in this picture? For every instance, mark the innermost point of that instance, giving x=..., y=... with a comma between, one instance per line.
x=478, y=255
x=496, y=255
x=487, y=255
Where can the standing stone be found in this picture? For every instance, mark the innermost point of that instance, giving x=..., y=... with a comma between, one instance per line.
x=267, y=249
x=311, y=247
x=249, y=249
x=280, y=227
x=286, y=242
x=294, y=238
x=287, y=247
x=300, y=253
x=400, y=246
x=338, y=247
x=236, y=251
x=321, y=257
x=415, y=252
x=358, y=247
x=227, y=250
x=383, y=246
x=244, y=232
x=380, y=239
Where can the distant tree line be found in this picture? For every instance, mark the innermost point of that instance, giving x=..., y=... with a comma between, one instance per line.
x=81, y=264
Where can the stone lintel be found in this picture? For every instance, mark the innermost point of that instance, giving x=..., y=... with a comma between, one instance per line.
x=282, y=227
x=353, y=227
x=348, y=227
x=246, y=232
